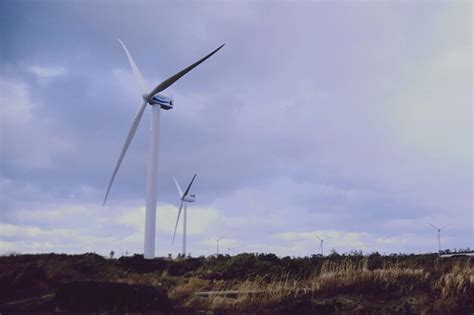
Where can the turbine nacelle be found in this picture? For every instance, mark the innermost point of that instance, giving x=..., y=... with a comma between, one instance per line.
x=189, y=198
x=163, y=101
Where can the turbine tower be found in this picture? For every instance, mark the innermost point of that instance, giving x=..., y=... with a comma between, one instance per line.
x=157, y=102
x=321, y=243
x=217, y=245
x=438, y=237
x=184, y=198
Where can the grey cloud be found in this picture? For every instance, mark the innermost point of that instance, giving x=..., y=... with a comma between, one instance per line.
x=296, y=105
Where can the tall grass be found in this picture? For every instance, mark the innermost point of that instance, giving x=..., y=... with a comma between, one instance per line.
x=267, y=284
x=448, y=289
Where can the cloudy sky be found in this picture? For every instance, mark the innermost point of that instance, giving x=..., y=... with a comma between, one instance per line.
x=350, y=120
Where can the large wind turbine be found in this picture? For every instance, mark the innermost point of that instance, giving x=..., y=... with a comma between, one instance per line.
x=157, y=102
x=184, y=198
x=321, y=244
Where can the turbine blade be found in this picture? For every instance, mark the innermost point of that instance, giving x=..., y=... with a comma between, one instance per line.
x=189, y=186
x=131, y=133
x=136, y=71
x=166, y=83
x=434, y=227
x=318, y=237
x=177, y=220
x=180, y=192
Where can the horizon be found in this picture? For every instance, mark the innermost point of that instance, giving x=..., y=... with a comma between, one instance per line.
x=190, y=256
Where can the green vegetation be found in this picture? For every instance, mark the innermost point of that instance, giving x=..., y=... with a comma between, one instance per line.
x=335, y=284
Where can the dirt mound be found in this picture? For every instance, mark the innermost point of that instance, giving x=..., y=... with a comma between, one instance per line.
x=95, y=296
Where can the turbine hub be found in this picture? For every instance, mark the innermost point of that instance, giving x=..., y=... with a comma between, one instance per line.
x=146, y=97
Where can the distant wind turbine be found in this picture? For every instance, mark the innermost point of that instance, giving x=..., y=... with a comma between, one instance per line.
x=217, y=246
x=184, y=198
x=438, y=235
x=157, y=102
x=321, y=243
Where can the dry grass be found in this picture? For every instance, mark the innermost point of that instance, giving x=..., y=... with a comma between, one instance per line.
x=334, y=285
x=446, y=289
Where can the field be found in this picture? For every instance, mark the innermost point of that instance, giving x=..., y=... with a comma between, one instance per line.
x=266, y=284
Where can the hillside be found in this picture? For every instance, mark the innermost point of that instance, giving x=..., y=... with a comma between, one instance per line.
x=336, y=284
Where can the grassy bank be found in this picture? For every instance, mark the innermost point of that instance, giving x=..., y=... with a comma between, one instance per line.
x=335, y=284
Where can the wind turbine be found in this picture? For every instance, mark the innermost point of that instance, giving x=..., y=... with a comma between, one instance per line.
x=157, y=102
x=321, y=243
x=185, y=198
x=217, y=246
x=438, y=236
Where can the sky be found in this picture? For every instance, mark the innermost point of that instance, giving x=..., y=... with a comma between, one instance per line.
x=346, y=120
